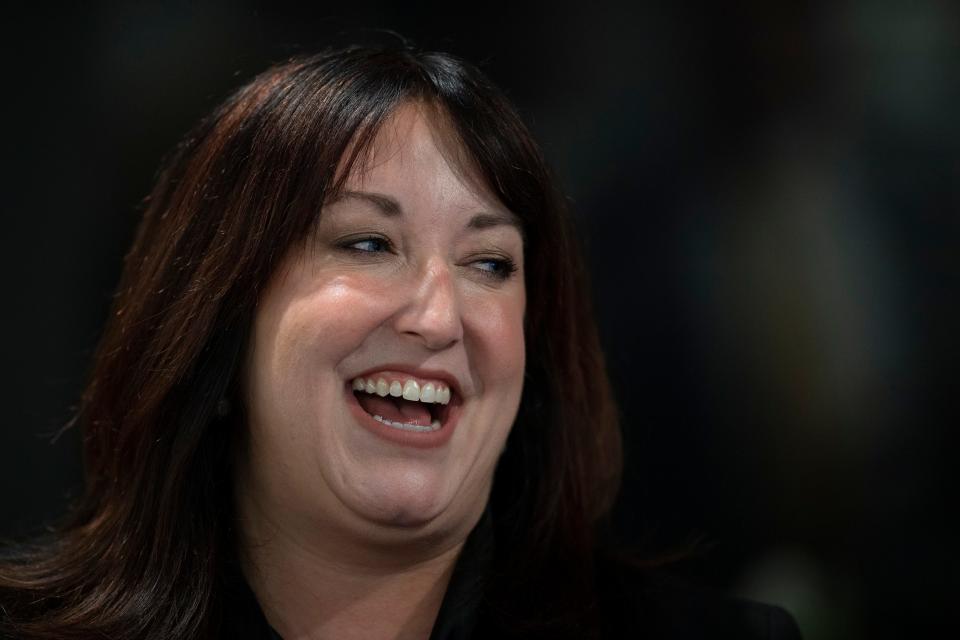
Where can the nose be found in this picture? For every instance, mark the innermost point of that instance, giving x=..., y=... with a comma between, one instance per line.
x=431, y=310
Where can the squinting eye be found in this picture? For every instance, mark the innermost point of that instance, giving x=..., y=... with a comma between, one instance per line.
x=368, y=245
x=496, y=268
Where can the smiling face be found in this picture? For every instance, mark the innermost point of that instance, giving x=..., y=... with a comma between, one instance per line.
x=415, y=277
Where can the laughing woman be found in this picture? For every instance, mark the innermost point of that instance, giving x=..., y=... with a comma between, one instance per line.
x=351, y=388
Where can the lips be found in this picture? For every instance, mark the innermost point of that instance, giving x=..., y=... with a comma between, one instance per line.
x=392, y=426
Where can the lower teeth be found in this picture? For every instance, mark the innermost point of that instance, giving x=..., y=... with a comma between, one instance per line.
x=408, y=427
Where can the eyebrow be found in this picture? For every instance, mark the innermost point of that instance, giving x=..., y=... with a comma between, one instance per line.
x=391, y=208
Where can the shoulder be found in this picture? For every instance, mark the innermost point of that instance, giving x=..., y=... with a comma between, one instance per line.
x=653, y=604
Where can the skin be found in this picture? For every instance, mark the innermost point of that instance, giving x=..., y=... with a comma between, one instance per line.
x=346, y=534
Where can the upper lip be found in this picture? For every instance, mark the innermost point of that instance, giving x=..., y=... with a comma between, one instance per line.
x=429, y=374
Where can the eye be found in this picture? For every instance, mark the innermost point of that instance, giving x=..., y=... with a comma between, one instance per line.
x=367, y=244
x=496, y=268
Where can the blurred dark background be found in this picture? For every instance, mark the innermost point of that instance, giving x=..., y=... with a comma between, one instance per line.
x=768, y=195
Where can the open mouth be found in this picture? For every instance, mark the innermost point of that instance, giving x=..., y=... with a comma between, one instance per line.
x=400, y=413
x=404, y=409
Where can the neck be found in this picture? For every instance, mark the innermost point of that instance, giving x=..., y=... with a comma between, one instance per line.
x=313, y=589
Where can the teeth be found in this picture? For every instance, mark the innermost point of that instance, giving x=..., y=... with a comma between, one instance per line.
x=410, y=390
x=409, y=427
x=428, y=393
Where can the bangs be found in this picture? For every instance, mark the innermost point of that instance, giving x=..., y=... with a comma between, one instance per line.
x=368, y=142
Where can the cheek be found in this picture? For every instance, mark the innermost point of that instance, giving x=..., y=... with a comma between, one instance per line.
x=497, y=327
x=303, y=332
x=332, y=319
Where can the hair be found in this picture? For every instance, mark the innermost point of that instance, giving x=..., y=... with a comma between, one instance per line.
x=151, y=546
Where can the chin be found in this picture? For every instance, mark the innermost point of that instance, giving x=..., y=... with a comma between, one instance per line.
x=409, y=501
x=404, y=517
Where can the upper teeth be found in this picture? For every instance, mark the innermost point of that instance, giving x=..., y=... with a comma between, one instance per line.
x=409, y=389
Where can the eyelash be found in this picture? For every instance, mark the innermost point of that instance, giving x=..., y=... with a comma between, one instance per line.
x=504, y=267
x=350, y=245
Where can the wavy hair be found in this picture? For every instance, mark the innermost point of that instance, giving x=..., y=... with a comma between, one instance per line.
x=150, y=548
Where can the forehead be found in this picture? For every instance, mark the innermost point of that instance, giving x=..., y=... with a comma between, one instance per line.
x=416, y=159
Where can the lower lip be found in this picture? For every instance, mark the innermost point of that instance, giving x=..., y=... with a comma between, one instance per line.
x=417, y=439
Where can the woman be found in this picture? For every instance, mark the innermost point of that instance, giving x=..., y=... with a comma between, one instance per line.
x=351, y=387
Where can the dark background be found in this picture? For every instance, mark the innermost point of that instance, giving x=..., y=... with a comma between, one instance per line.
x=768, y=194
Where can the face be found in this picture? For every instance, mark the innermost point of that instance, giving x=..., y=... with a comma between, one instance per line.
x=410, y=291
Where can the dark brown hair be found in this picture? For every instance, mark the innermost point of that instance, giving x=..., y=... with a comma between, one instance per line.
x=150, y=548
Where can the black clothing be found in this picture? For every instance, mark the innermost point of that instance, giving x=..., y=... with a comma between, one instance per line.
x=633, y=604
x=658, y=606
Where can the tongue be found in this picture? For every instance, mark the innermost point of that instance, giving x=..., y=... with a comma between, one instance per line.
x=395, y=409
